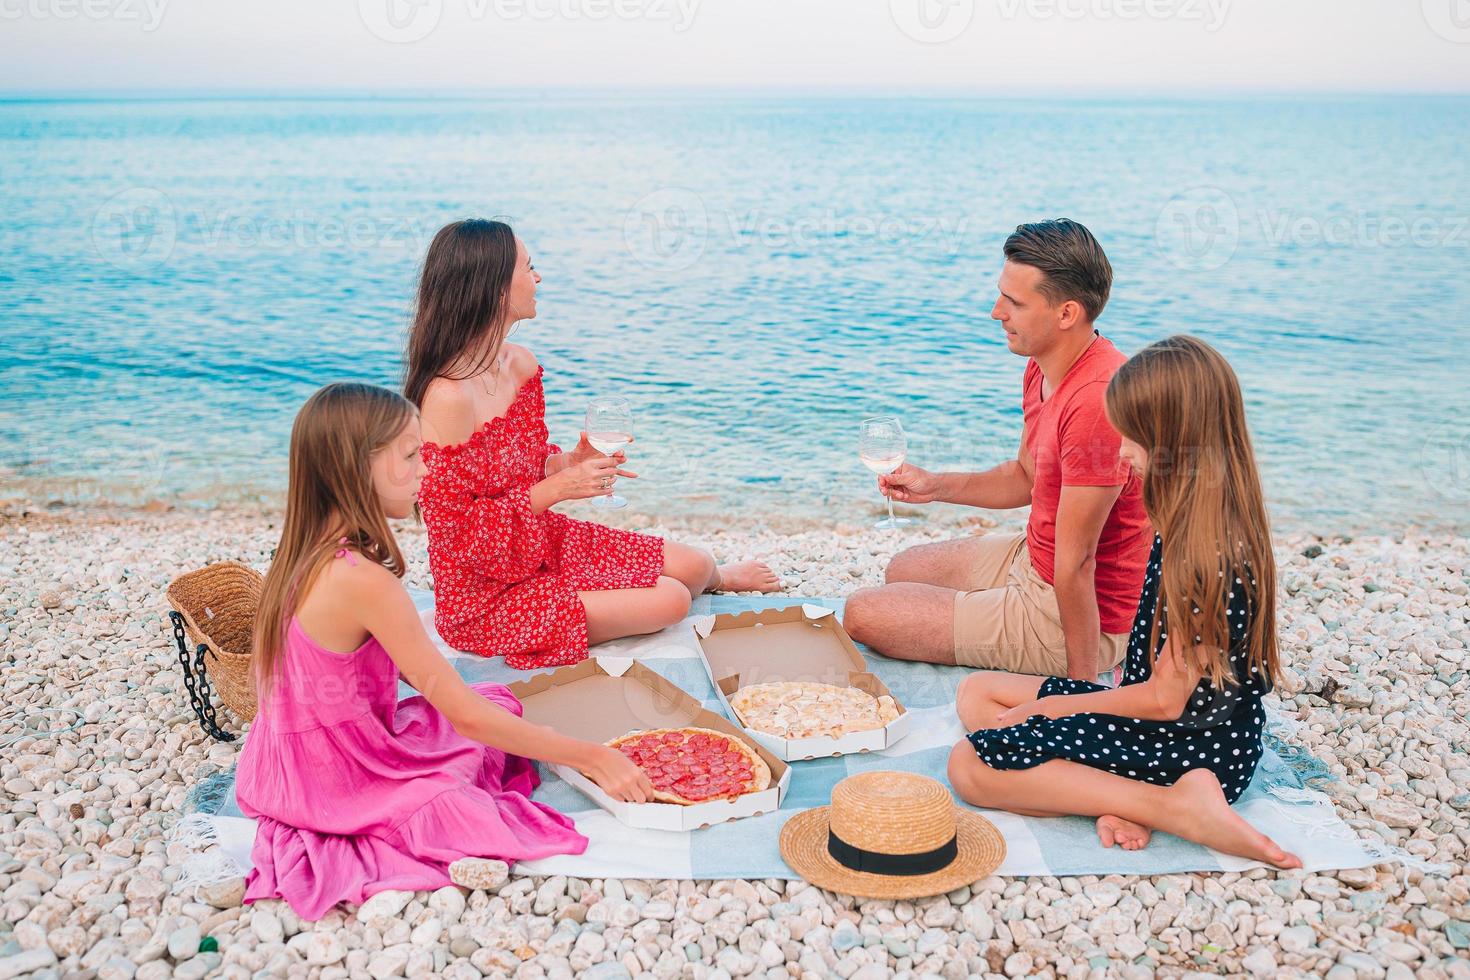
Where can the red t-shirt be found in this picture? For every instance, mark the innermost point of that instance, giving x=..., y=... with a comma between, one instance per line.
x=1073, y=445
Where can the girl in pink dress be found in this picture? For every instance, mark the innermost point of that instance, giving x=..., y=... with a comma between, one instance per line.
x=352, y=790
x=512, y=577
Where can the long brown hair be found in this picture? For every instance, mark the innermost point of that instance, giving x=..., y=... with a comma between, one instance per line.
x=330, y=495
x=461, y=302
x=1180, y=401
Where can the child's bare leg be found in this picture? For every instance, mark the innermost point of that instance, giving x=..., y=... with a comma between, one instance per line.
x=984, y=695
x=1193, y=808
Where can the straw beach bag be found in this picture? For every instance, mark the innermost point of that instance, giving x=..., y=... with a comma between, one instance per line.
x=215, y=607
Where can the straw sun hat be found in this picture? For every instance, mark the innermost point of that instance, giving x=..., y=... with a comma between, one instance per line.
x=891, y=835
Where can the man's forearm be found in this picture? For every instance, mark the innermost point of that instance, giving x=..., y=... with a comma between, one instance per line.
x=1077, y=605
x=1003, y=487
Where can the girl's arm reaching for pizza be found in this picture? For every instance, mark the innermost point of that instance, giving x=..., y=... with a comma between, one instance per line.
x=618, y=777
x=388, y=614
x=605, y=766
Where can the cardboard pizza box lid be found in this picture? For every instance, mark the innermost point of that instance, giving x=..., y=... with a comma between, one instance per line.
x=797, y=643
x=601, y=699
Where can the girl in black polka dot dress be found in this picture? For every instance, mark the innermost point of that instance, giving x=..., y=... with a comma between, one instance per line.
x=1178, y=741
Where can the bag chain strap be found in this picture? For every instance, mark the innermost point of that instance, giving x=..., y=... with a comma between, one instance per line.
x=200, y=697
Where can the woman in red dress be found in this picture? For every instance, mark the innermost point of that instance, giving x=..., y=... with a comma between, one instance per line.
x=511, y=576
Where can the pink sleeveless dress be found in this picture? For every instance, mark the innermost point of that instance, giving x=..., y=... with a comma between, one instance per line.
x=355, y=792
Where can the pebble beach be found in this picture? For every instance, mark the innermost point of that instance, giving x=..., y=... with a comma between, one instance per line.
x=98, y=748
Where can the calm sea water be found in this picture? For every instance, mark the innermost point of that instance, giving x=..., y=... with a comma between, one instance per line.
x=755, y=275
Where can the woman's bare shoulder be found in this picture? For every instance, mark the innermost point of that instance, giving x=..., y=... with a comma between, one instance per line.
x=447, y=416
x=523, y=363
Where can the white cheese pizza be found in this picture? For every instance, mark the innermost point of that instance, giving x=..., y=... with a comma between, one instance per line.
x=803, y=709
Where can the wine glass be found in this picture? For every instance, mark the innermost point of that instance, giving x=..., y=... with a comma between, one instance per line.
x=609, y=428
x=882, y=447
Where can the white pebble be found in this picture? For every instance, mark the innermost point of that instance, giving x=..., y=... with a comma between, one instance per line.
x=267, y=926
x=383, y=905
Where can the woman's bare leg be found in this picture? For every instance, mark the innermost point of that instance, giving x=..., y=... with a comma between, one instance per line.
x=699, y=573
x=983, y=697
x=614, y=613
x=1193, y=808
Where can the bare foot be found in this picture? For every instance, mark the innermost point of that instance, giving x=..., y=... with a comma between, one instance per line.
x=1126, y=834
x=1210, y=821
x=747, y=576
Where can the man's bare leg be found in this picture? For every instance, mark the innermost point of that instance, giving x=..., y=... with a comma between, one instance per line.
x=905, y=621
x=912, y=617
x=947, y=564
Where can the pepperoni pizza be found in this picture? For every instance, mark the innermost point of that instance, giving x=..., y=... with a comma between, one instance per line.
x=695, y=765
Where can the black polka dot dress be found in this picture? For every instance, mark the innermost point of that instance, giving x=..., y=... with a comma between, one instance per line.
x=1219, y=729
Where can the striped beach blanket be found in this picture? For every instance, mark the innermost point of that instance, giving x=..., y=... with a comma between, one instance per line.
x=1280, y=801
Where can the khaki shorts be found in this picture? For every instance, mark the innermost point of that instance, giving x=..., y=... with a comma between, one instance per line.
x=1009, y=619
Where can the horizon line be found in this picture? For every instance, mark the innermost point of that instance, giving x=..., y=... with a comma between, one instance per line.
x=926, y=93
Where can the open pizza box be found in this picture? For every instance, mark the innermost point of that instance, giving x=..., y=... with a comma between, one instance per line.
x=601, y=699
x=798, y=643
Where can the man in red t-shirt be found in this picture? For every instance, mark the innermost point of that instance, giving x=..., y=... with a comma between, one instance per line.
x=1058, y=600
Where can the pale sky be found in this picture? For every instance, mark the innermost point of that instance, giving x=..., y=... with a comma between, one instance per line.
x=1077, y=47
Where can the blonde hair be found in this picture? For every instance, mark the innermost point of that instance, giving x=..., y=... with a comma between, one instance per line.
x=330, y=495
x=1180, y=401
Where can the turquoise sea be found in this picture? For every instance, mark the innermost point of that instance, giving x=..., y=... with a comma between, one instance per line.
x=755, y=274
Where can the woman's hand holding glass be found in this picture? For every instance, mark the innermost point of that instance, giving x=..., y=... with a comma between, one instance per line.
x=585, y=451
x=590, y=478
x=608, y=428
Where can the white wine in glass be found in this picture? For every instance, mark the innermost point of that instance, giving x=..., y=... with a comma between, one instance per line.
x=608, y=443
x=882, y=447
x=609, y=428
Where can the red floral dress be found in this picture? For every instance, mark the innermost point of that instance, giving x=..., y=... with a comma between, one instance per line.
x=506, y=579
